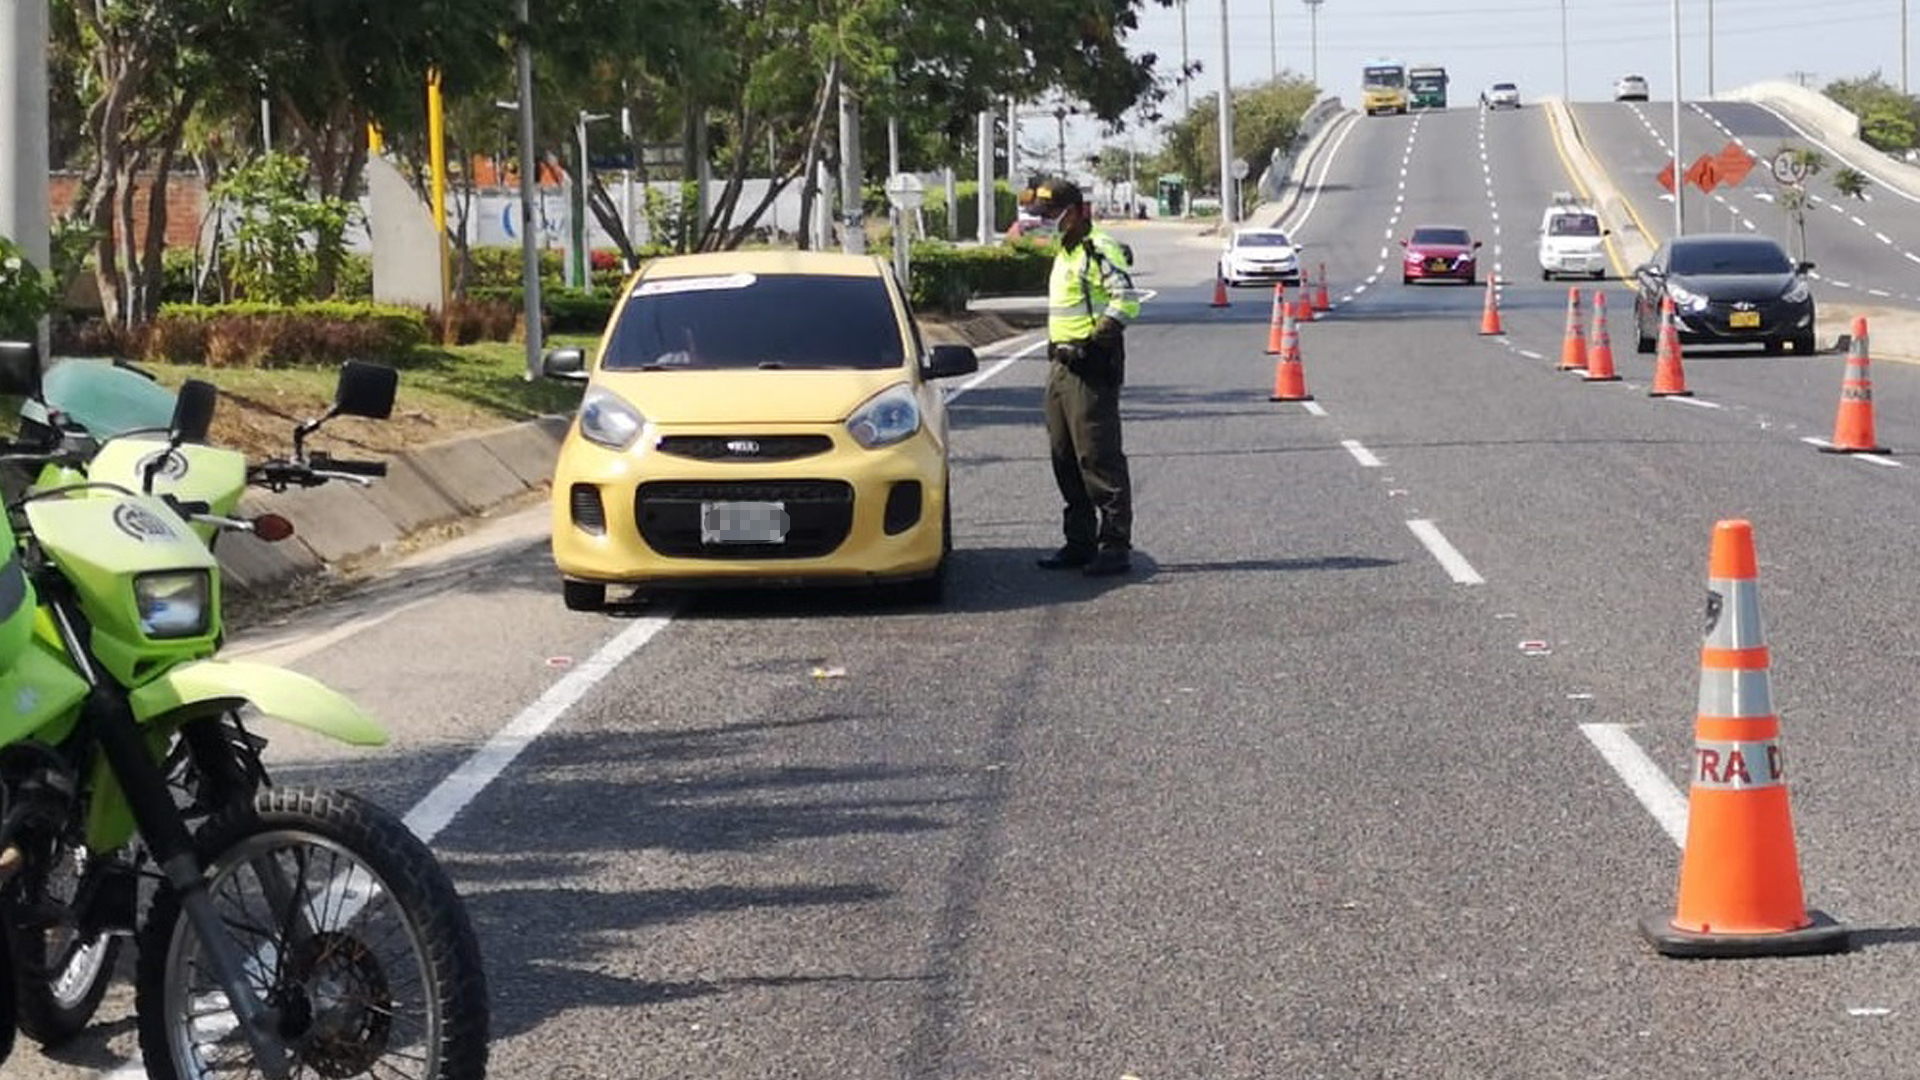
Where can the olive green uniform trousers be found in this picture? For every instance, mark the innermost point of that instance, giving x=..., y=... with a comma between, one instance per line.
x=1089, y=463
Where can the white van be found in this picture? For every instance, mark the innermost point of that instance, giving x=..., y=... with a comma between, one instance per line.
x=1572, y=240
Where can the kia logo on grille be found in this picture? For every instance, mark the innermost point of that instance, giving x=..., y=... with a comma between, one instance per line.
x=743, y=447
x=1743, y=305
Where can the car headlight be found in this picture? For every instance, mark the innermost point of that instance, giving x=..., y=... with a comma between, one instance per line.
x=174, y=603
x=1413, y=256
x=886, y=418
x=607, y=420
x=1797, y=292
x=1686, y=299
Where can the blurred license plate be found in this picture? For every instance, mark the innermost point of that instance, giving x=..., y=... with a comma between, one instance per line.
x=743, y=523
x=1439, y=266
x=1743, y=320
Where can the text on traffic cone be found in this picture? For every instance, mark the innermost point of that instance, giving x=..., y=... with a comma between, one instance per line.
x=1853, y=426
x=1669, y=378
x=1600, y=347
x=1740, y=891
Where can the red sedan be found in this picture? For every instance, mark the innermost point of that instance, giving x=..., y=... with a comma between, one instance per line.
x=1440, y=252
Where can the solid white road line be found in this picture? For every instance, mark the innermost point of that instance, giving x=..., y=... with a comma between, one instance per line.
x=1361, y=453
x=1454, y=563
x=1000, y=366
x=433, y=813
x=1877, y=459
x=1642, y=777
x=1695, y=402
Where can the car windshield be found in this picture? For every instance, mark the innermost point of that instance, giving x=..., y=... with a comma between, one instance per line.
x=1573, y=225
x=1729, y=257
x=1456, y=237
x=1499, y=86
x=1384, y=76
x=736, y=321
x=1262, y=239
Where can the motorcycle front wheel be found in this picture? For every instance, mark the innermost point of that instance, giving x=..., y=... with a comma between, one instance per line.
x=347, y=927
x=60, y=972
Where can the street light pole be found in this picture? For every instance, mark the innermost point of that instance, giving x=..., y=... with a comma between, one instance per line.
x=529, y=248
x=1313, y=36
x=1679, y=185
x=1273, y=41
x=1710, y=47
x=1060, y=118
x=1566, y=84
x=1186, y=79
x=1229, y=196
x=23, y=131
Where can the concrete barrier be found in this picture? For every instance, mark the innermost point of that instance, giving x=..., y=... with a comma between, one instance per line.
x=1828, y=124
x=1327, y=118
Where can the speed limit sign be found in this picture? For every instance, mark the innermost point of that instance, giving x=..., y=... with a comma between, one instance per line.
x=1789, y=167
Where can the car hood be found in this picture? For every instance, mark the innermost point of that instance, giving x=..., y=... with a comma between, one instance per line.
x=733, y=398
x=1266, y=254
x=1731, y=287
x=1451, y=251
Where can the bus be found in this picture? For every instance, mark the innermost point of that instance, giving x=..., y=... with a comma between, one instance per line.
x=1427, y=86
x=1383, y=87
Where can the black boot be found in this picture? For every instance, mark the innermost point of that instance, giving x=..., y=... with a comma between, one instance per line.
x=1069, y=557
x=1110, y=561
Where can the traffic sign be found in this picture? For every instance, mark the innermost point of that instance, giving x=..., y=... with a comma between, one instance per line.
x=905, y=191
x=1241, y=168
x=1789, y=167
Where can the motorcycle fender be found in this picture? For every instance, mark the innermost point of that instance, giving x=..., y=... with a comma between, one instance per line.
x=211, y=686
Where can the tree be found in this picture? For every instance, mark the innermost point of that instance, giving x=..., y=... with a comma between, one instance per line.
x=1889, y=119
x=1794, y=197
x=1851, y=182
x=1266, y=120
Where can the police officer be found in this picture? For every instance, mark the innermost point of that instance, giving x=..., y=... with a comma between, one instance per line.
x=1090, y=297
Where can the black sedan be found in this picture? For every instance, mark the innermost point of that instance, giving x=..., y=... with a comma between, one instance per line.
x=1727, y=289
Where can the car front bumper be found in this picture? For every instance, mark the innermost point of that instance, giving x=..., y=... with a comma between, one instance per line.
x=852, y=515
x=1430, y=270
x=1715, y=325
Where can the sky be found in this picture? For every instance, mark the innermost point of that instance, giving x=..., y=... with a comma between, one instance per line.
x=1519, y=41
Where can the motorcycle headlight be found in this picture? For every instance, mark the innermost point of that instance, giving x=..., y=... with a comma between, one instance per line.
x=1797, y=292
x=1686, y=299
x=607, y=420
x=174, y=603
x=887, y=417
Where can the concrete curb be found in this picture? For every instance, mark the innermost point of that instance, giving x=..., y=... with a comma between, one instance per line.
x=340, y=523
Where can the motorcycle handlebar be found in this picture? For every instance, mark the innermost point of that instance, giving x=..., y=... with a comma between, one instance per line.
x=324, y=463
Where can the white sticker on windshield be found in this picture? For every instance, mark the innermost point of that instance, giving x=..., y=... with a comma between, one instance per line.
x=661, y=286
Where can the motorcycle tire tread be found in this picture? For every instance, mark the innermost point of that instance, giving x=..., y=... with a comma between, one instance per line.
x=385, y=845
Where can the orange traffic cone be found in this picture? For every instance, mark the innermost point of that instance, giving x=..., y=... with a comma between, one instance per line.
x=1573, y=348
x=1276, y=343
x=1303, y=307
x=1740, y=876
x=1320, y=301
x=1669, y=378
x=1490, y=315
x=1600, y=348
x=1289, y=375
x=1219, y=289
x=1853, y=427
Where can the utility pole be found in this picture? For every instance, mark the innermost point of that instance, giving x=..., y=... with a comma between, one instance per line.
x=1566, y=83
x=1313, y=36
x=626, y=182
x=1273, y=42
x=984, y=200
x=1060, y=118
x=1186, y=80
x=529, y=247
x=1903, y=46
x=1229, y=187
x=853, y=227
x=1013, y=145
x=23, y=132
x=1679, y=185
x=1710, y=47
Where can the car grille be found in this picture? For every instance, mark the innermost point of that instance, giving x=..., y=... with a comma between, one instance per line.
x=819, y=512
x=1775, y=315
x=744, y=447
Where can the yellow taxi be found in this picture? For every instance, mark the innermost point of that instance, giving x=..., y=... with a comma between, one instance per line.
x=756, y=418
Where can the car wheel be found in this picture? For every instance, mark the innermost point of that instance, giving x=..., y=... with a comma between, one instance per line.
x=1643, y=344
x=1599, y=275
x=1546, y=275
x=1803, y=344
x=1774, y=346
x=1473, y=278
x=584, y=595
x=1406, y=279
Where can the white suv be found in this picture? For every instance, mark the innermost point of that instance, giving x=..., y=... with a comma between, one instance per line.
x=1630, y=88
x=1572, y=240
x=1504, y=95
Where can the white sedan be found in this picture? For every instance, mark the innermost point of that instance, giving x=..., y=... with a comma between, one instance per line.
x=1256, y=255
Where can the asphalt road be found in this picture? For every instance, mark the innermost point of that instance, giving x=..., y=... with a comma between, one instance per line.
x=1317, y=792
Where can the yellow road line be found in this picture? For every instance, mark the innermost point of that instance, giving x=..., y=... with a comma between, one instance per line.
x=1559, y=147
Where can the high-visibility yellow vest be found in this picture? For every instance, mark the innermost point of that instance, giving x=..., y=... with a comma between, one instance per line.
x=1089, y=282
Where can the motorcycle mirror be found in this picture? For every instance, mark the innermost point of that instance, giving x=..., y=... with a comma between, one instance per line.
x=272, y=528
x=366, y=390
x=20, y=368
x=193, y=411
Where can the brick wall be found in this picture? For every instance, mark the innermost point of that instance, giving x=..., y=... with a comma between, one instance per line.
x=186, y=204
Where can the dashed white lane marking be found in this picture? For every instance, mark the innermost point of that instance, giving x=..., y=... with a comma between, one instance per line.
x=1695, y=402
x=1877, y=459
x=1878, y=292
x=1530, y=354
x=1361, y=454
x=1883, y=238
x=1454, y=563
x=1314, y=407
x=1642, y=777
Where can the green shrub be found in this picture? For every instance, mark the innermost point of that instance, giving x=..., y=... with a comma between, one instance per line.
x=945, y=277
x=271, y=335
x=966, y=199
x=26, y=292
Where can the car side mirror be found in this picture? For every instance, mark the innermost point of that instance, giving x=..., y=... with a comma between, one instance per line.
x=366, y=390
x=1606, y=232
x=1476, y=245
x=567, y=362
x=946, y=361
x=1403, y=243
x=20, y=368
x=1803, y=267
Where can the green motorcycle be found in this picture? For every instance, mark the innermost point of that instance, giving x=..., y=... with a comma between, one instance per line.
x=291, y=932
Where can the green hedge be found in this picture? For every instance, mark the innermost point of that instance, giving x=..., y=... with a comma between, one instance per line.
x=270, y=335
x=565, y=311
x=966, y=199
x=945, y=277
